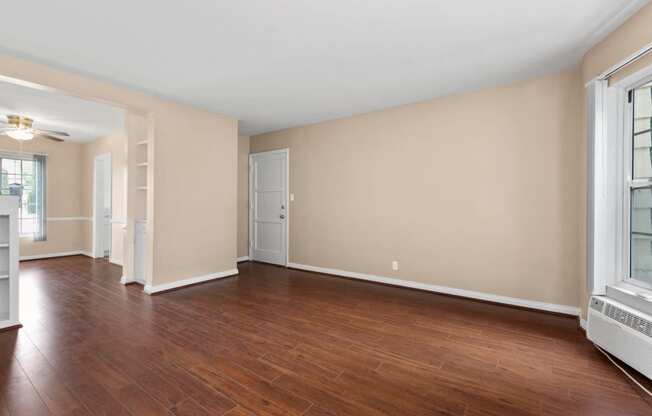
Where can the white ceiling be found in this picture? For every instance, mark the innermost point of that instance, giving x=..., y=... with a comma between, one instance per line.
x=84, y=120
x=280, y=63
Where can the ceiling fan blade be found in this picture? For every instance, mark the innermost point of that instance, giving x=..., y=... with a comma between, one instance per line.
x=58, y=133
x=47, y=136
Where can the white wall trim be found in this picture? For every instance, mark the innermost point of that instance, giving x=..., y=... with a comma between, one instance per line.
x=532, y=304
x=115, y=261
x=149, y=289
x=54, y=219
x=60, y=254
x=611, y=24
x=8, y=324
x=241, y=259
x=125, y=280
x=583, y=324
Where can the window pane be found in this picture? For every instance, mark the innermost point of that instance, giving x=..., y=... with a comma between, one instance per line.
x=641, y=234
x=28, y=167
x=642, y=143
x=10, y=166
x=27, y=226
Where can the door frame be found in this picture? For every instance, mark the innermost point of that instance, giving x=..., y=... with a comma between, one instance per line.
x=98, y=230
x=250, y=206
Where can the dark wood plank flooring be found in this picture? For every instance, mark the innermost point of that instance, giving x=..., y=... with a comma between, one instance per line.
x=276, y=342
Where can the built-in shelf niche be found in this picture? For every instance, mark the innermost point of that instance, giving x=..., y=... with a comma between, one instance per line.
x=8, y=261
x=4, y=231
x=141, y=163
x=4, y=250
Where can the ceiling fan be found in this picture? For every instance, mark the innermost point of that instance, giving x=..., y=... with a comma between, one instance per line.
x=20, y=128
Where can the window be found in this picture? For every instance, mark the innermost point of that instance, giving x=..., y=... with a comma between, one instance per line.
x=640, y=186
x=25, y=177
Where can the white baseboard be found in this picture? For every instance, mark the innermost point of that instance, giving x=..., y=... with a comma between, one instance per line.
x=241, y=259
x=532, y=304
x=53, y=219
x=187, y=282
x=115, y=261
x=125, y=280
x=60, y=254
x=8, y=324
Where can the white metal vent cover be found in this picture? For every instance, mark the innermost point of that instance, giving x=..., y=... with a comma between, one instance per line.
x=622, y=316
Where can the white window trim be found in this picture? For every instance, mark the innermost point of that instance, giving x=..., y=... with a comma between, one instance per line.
x=605, y=187
x=610, y=178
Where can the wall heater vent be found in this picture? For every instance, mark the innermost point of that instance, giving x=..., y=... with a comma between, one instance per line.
x=622, y=331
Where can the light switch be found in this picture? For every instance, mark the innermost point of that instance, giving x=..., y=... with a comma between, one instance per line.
x=291, y=197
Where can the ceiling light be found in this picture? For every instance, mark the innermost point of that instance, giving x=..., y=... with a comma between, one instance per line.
x=21, y=134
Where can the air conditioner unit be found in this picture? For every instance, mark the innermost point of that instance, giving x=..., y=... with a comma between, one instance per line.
x=622, y=331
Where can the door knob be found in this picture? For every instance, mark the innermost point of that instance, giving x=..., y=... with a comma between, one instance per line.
x=282, y=216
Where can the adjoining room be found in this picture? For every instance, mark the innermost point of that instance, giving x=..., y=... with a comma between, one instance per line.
x=326, y=208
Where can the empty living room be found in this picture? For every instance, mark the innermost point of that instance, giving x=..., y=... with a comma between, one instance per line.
x=326, y=208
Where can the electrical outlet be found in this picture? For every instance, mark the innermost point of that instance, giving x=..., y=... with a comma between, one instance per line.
x=394, y=265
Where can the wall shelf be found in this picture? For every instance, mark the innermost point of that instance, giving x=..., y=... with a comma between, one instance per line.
x=142, y=165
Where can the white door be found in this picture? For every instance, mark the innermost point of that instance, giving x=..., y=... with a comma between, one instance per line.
x=106, y=244
x=102, y=206
x=268, y=209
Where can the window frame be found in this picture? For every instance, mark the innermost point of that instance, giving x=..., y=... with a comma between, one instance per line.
x=629, y=184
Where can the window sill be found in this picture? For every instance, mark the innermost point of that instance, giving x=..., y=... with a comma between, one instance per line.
x=633, y=296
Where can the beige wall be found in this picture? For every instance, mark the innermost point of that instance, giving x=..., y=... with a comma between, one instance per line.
x=192, y=217
x=243, y=196
x=116, y=146
x=479, y=191
x=195, y=206
x=63, y=173
x=630, y=37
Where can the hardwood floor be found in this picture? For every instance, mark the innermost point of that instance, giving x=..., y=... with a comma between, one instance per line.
x=283, y=342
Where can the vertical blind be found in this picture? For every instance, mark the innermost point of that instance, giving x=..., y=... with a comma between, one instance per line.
x=39, y=175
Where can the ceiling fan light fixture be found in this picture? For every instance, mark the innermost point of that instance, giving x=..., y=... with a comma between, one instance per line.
x=21, y=134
